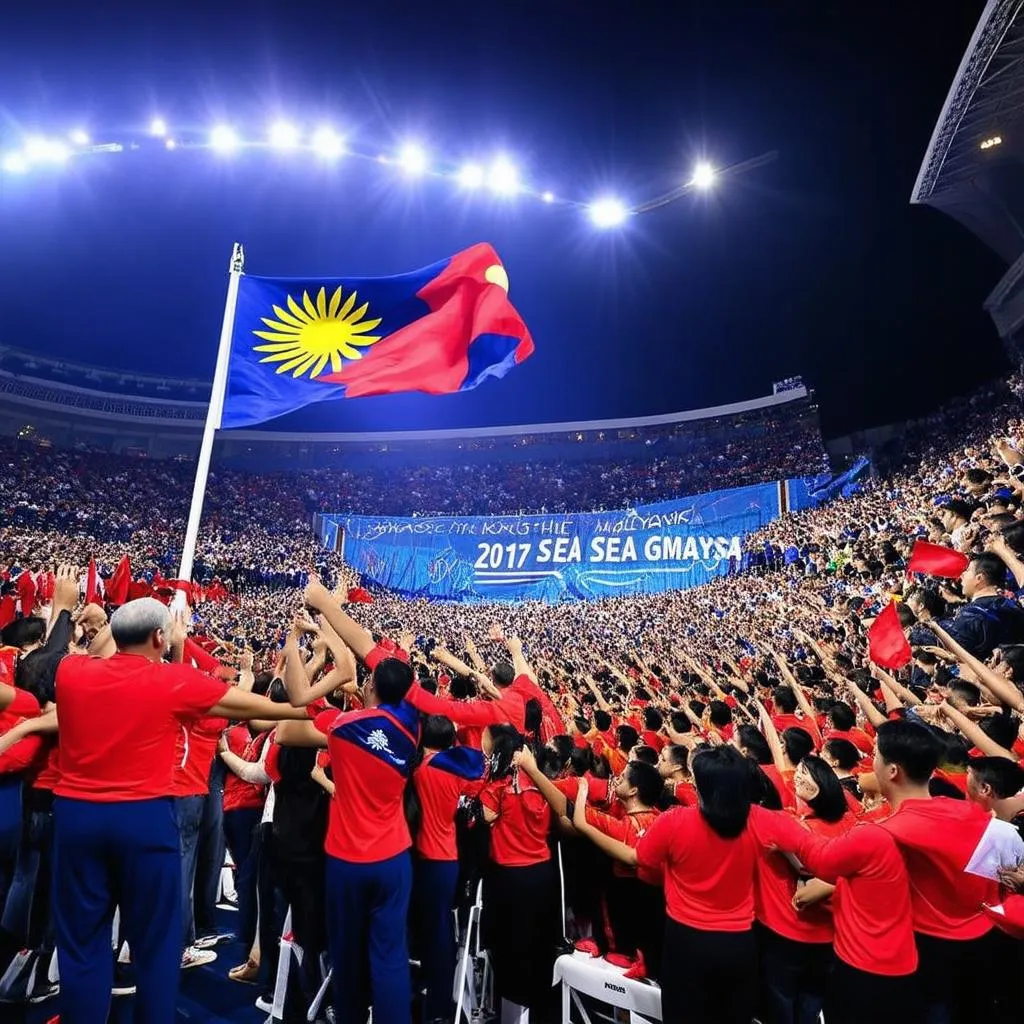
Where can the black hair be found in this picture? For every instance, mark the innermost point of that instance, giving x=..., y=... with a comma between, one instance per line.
x=391, y=680
x=24, y=632
x=755, y=745
x=991, y=567
x=797, y=743
x=844, y=753
x=563, y=746
x=647, y=781
x=830, y=803
x=1005, y=777
x=653, y=719
x=505, y=741
x=722, y=778
x=277, y=692
x=503, y=674
x=1002, y=728
x=600, y=768
x=627, y=738
x=645, y=754
x=261, y=683
x=534, y=717
x=678, y=755
x=912, y=747
x=720, y=714
x=438, y=732
x=841, y=716
x=462, y=688
x=967, y=691
x=602, y=720
x=581, y=760
x=1013, y=656
x=680, y=722
x=784, y=699
x=762, y=789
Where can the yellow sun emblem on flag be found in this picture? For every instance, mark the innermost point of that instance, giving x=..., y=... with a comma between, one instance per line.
x=305, y=338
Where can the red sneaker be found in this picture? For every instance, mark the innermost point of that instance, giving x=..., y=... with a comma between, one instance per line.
x=588, y=946
x=54, y=1020
x=638, y=972
x=619, y=959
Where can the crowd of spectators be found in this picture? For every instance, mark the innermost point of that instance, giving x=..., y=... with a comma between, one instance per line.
x=798, y=822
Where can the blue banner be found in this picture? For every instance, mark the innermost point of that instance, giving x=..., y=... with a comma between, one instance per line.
x=811, y=491
x=653, y=548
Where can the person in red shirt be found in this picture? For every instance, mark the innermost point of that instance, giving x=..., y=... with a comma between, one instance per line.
x=115, y=836
x=444, y=776
x=522, y=875
x=795, y=930
x=674, y=769
x=842, y=725
x=938, y=838
x=708, y=855
x=873, y=978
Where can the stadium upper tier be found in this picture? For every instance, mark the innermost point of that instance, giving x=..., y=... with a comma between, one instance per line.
x=973, y=169
x=68, y=404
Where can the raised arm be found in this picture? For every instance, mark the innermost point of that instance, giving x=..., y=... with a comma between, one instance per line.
x=319, y=598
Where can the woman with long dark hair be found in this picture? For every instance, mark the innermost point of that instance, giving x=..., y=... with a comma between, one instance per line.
x=708, y=855
x=520, y=887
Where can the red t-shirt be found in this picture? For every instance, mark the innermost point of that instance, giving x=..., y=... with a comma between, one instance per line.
x=553, y=725
x=871, y=906
x=440, y=781
x=597, y=792
x=628, y=829
x=686, y=794
x=858, y=737
x=238, y=793
x=709, y=881
x=783, y=785
x=937, y=838
x=372, y=753
x=119, y=721
x=519, y=836
x=510, y=709
x=194, y=753
x=48, y=774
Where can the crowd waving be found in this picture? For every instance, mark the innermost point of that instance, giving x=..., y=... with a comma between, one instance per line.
x=750, y=810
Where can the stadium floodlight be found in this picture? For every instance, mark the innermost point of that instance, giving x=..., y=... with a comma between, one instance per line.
x=39, y=150
x=703, y=176
x=471, y=176
x=548, y=197
x=608, y=212
x=989, y=143
x=80, y=137
x=328, y=143
x=15, y=163
x=283, y=135
x=224, y=139
x=413, y=159
x=170, y=144
x=158, y=127
x=503, y=178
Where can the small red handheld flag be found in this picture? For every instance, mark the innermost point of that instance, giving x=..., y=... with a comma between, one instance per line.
x=887, y=645
x=118, y=584
x=936, y=560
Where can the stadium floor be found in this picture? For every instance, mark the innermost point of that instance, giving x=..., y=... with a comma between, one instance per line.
x=206, y=996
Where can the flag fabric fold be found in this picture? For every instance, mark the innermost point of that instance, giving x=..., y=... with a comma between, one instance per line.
x=439, y=330
x=887, y=644
x=92, y=587
x=936, y=560
x=119, y=584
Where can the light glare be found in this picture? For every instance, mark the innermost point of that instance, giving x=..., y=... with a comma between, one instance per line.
x=548, y=197
x=413, y=159
x=223, y=138
x=158, y=127
x=284, y=135
x=607, y=212
x=80, y=137
x=15, y=163
x=170, y=144
x=471, y=176
x=327, y=142
x=41, y=150
x=503, y=178
x=703, y=175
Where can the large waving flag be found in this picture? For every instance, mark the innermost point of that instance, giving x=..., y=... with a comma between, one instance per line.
x=442, y=329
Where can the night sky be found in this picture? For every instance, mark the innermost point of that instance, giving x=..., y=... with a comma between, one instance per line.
x=814, y=264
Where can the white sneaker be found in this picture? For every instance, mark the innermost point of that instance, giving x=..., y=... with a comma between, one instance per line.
x=193, y=957
x=265, y=1004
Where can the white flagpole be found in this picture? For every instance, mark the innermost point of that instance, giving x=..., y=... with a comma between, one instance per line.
x=213, y=417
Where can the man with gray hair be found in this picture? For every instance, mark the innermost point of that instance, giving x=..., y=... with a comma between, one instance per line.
x=115, y=834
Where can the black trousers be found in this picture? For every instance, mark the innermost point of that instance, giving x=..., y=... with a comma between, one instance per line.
x=794, y=978
x=960, y=979
x=708, y=977
x=520, y=927
x=856, y=997
x=301, y=883
x=637, y=914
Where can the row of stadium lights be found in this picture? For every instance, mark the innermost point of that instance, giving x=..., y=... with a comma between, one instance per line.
x=501, y=177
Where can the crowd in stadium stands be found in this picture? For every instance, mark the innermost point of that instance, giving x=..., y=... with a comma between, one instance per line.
x=778, y=794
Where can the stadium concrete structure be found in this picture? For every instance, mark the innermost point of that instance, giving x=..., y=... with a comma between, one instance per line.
x=64, y=403
x=973, y=169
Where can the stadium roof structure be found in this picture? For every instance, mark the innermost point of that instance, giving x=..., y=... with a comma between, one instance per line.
x=32, y=385
x=973, y=169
